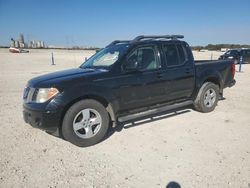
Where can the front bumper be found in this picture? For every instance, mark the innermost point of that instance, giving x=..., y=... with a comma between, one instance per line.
x=42, y=119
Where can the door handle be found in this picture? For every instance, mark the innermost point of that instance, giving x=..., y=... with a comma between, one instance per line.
x=187, y=70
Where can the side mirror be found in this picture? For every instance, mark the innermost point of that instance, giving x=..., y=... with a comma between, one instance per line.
x=230, y=57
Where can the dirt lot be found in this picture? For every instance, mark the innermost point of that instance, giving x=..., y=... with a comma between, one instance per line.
x=191, y=148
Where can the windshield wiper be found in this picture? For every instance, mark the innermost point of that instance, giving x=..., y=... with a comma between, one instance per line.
x=96, y=68
x=87, y=67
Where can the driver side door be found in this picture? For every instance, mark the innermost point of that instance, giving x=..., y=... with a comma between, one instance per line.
x=139, y=79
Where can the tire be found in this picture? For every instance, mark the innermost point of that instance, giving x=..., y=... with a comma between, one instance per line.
x=207, y=97
x=85, y=123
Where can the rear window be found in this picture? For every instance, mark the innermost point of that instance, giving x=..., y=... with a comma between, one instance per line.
x=175, y=54
x=246, y=52
x=171, y=54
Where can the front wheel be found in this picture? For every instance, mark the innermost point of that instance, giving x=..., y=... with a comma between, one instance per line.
x=85, y=123
x=207, y=97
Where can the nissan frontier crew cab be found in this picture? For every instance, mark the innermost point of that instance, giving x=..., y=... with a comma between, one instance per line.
x=124, y=81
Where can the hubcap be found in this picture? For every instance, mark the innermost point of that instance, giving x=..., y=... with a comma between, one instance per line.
x=87, y=123
x=209, y=98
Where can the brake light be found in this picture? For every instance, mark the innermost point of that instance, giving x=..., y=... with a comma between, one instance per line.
x=233, y=69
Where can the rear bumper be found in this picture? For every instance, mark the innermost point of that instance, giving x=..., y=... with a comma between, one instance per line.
x=45, y=120
x=232, y=83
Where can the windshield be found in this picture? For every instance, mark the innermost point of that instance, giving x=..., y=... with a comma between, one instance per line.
x=232, y=52
x=106, y=57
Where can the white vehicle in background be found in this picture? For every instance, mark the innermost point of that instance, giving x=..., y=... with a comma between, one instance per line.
x=16, y=50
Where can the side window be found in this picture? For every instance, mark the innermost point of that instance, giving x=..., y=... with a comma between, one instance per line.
x=175, y=54
x=246, y=53
x=143, y=58
x=171, y=54
x=234, y=52
x=188, y=52
x=182, y=54
x=132, y=60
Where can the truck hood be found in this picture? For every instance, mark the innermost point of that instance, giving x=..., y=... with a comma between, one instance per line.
x=61, y=76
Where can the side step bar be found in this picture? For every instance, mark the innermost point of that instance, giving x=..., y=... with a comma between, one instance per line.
x=153, y=111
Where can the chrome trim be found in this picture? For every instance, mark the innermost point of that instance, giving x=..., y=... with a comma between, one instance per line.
x=28, y=94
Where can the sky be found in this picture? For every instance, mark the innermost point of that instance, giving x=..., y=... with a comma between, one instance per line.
x=98, y=22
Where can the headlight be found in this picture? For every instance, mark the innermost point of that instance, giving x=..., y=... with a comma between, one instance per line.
x=44, y=94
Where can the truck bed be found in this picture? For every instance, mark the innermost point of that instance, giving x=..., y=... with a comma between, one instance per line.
x=219, y=69
x=210, y=61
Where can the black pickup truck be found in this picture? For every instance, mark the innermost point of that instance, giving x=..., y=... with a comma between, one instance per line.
x=123, y=82
x=236, y=54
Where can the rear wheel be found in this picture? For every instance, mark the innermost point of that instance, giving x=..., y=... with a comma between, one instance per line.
x=85, y=123
x=207, y=97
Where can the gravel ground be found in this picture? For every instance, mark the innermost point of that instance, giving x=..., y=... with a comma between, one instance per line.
x=191, y=148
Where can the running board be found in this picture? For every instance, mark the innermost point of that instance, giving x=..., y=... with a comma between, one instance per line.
x=153, y=111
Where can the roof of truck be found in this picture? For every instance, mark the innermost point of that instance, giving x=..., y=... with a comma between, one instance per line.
x=148, y=39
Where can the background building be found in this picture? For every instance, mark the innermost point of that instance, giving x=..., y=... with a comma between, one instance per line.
x=20, y=43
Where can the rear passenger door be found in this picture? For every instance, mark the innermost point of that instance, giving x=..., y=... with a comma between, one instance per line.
x=179, y=70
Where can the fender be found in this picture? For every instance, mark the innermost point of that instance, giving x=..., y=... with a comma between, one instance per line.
x=85, y=91
x=210, y=75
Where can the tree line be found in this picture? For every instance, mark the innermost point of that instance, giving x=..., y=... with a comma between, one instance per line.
x=219, y=46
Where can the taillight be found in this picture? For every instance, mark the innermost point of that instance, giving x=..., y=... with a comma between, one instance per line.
x=233, y=69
